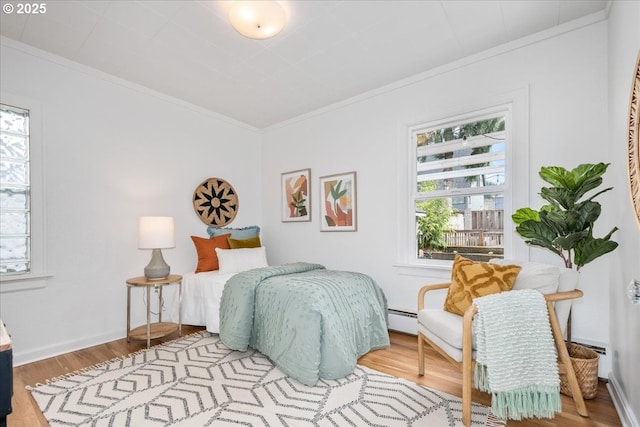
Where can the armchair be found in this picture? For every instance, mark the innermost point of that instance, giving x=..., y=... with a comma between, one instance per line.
x=452, y=335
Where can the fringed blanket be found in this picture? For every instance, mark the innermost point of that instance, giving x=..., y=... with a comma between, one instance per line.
x=516, y=357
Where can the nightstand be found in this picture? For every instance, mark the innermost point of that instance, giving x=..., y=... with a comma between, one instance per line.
x=158, y=329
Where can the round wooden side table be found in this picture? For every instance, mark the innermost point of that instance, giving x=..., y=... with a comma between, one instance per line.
x=157, y=329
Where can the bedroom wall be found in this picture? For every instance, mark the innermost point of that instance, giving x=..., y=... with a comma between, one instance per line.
x=624, y=47
x=565, y=79
x=114, y=151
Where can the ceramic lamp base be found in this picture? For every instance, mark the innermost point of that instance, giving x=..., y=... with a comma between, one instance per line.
x=157, y=267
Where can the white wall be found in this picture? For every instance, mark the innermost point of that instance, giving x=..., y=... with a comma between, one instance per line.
x=565, y=78
x=114, y=152
x=624, y=46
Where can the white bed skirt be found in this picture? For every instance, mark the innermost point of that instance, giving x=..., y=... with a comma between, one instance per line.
x=201, y=294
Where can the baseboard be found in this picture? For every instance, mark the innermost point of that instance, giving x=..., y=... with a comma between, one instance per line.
x=23, y=358
x=622, y=405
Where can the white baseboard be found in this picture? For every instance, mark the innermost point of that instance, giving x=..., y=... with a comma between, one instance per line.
x=22, y=358
x=623, y=407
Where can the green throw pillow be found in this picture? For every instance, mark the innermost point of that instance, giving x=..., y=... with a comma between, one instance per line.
x=253, y=242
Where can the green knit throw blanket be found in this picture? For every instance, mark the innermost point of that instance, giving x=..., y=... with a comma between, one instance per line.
x=516, y=357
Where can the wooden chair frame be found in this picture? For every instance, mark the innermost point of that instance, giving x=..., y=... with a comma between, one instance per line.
x=467, y=365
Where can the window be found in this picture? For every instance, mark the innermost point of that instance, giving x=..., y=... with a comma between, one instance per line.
x=22, y=230
x=15, y=232
x=459, y=186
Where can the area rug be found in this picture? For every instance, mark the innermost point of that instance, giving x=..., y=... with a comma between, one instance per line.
x=198, y=381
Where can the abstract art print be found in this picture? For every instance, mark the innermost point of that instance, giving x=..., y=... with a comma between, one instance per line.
x=296, y=196
x=338, y=202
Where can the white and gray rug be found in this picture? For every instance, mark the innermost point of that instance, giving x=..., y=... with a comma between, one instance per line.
x=198, y=381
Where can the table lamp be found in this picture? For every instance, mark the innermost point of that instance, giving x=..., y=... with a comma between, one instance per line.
x=156, y=233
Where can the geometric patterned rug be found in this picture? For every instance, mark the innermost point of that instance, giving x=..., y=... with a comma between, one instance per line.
x=197, y=381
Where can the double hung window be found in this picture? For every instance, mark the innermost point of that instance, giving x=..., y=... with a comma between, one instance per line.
x=459, y=186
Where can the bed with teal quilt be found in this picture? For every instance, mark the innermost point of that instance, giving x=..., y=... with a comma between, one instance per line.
x=313, y=323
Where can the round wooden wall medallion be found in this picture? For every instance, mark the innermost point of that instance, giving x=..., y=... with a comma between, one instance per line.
x=215, y=201
x=634, y=140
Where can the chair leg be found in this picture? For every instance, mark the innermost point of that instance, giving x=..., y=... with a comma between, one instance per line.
x=563, y=354
x=467, y=379
x=467, y=367
x=420, y=354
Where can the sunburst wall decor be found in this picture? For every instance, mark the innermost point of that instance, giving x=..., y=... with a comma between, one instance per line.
x=633, y=142
x=215, y=202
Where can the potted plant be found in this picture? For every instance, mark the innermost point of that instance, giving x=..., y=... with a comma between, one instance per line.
x=565, y=227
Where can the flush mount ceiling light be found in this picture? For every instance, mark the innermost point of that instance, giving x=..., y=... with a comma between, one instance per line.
x=257, y=19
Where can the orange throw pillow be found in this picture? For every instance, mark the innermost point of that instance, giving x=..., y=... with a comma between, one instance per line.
x=206, y=248
x=471, y=279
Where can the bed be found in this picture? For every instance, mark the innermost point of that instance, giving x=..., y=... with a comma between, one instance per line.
x=313, y=323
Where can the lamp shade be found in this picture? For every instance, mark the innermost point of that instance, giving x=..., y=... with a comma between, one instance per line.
x=257, y=19
x=156, y=232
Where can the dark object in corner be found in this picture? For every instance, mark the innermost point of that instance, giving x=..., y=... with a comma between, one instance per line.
x=6, y=375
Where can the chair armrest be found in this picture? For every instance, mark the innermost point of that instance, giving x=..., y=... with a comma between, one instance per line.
x=428, y=288
x=560, y=296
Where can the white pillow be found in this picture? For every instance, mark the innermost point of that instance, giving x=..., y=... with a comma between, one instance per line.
x=237, y=260
x=534, y=275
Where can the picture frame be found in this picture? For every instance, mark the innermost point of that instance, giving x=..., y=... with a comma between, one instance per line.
x=296, y=195
x=338, y=204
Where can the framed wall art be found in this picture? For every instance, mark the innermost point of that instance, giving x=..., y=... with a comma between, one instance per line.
x=296, y=196
x=338, y=210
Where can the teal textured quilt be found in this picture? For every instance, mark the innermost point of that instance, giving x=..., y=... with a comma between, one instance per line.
x=311, y=322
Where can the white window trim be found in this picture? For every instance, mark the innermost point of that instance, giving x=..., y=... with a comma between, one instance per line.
x=517, y=172
x=38, y=274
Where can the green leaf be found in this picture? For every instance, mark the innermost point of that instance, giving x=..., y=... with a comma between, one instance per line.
x=569, y=241
x=589, y=249
x=588, y=176
x=525, y=214
x=556, y=176
x=580, y=180
x=589, y=212
x=560, y=197
x=335, y=190
x=537, y=233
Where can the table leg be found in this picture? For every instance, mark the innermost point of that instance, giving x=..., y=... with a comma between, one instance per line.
x=160, y=305
x=148, y=316
x=180, y=308
x=128, y=312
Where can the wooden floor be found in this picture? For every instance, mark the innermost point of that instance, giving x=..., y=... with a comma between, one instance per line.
x=399, y=360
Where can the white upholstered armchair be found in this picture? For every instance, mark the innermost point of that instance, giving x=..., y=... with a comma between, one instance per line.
x=451, y=334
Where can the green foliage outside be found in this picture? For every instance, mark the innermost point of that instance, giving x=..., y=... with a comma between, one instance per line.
x=435, y=223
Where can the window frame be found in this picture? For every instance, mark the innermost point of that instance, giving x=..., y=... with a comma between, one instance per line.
x=516, y=188
x=36, y=277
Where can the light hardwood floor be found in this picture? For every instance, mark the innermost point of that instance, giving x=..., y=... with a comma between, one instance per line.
x=400, y=360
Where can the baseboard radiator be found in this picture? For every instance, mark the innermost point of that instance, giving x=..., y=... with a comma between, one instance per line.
x=403, y=321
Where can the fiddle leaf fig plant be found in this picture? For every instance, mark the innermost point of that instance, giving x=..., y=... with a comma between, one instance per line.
x=565, y=224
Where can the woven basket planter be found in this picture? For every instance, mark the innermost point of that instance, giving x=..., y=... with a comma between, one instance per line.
x=585, y=364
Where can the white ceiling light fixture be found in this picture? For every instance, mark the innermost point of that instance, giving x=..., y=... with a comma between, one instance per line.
x=257, y=19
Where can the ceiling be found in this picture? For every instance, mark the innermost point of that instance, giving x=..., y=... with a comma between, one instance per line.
x=328, y=52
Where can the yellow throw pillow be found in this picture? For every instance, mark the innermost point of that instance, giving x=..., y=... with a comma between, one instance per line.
x=471, y=279
x=253, y=242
